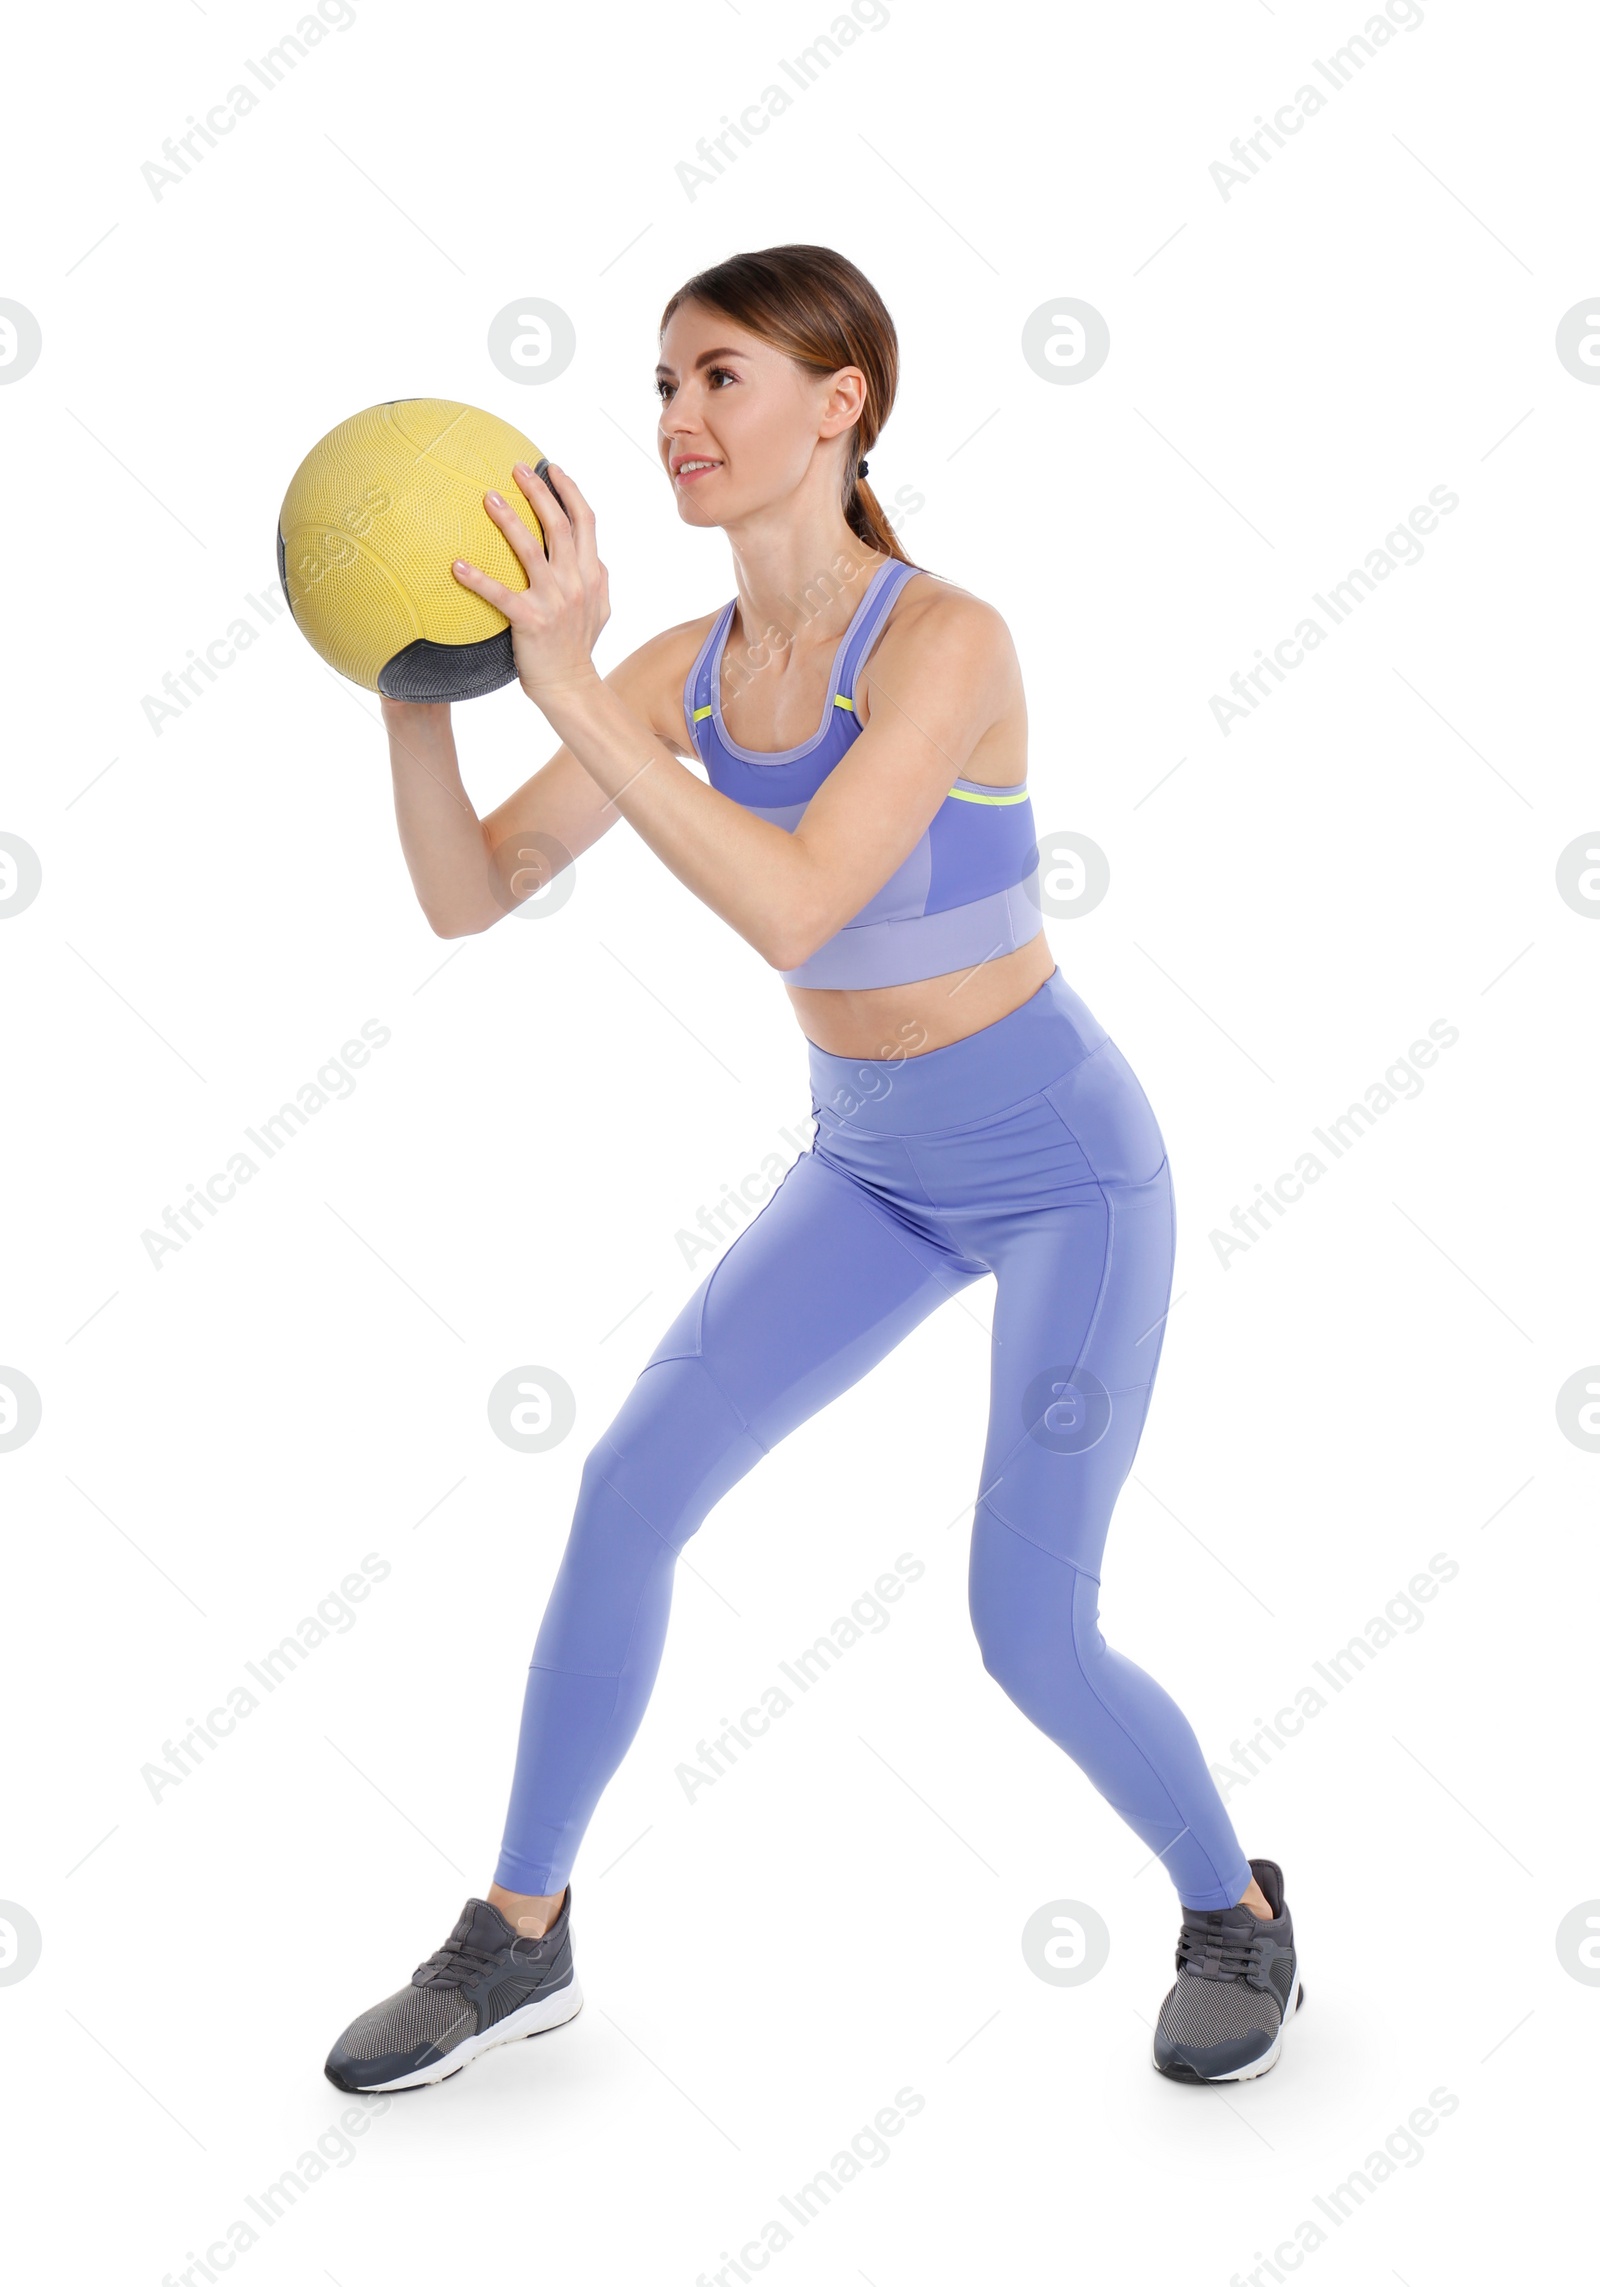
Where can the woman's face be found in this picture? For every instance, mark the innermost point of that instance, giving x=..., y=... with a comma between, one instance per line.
x=742, y=425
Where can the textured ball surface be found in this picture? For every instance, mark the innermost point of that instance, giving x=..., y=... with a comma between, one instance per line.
x=374, y=517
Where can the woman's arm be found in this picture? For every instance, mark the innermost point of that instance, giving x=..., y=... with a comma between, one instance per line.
x=935, y=691
x=469, y=872
x=938, y=681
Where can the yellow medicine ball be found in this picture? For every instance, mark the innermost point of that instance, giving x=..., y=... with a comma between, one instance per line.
x=372, y=521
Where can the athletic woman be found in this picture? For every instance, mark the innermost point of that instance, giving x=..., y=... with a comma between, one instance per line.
x=864, y=825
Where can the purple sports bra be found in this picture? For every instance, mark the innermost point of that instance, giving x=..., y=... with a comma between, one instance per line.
x=967, y=892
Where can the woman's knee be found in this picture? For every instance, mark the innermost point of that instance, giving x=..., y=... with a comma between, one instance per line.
x=1035, y=1617
x=674, y=1448
x=646, y=1485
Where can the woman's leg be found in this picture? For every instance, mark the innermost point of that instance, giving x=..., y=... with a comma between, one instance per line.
x=1082, y=1293
x=815, y=1291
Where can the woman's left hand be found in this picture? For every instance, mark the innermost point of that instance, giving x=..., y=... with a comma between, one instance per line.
x=556, y=619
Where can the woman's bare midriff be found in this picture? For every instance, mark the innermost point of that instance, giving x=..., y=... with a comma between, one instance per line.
x=909, y=1020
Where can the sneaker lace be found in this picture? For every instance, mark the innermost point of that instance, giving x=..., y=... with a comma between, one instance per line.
x=1218, y=1949
x=457, y=1962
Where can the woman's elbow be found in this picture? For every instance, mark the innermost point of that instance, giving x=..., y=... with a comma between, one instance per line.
x=790, y=940
x=805, y=916
x=458, y=924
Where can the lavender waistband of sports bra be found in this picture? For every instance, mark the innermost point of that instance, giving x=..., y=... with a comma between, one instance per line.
x=902, y=952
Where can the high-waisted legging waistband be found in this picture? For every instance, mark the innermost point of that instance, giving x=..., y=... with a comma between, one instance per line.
x=971, y=1079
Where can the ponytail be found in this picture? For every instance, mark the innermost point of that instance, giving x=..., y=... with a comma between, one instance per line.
x=867, y=520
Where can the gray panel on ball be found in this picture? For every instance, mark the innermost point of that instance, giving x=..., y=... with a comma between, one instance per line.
x=428, y=673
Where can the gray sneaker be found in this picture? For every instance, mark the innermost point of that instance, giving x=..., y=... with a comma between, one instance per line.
x=1238, y=1986
x=485, y=1985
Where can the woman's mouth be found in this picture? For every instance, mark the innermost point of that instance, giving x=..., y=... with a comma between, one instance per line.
x=689, y=469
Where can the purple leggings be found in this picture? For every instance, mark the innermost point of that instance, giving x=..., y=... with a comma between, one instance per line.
x=1029, y=1150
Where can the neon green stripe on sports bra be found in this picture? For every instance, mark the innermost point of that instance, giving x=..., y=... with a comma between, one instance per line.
x=957, y=793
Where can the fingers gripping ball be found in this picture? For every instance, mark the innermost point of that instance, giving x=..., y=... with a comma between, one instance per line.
x=373, y=519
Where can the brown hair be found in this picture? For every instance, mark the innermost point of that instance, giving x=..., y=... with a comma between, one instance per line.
x=820, y=310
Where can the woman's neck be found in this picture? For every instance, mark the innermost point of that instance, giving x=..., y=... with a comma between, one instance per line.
x=804, y=585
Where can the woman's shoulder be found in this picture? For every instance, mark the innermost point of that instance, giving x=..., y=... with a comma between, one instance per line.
x=940, y=635
x=941, y=610
x=932, y=619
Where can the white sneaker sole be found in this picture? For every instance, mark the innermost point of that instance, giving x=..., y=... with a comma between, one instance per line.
x=533, y=2017
x=1268, y=2057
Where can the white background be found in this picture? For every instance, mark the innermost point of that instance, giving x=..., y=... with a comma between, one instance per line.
x=1292, y=369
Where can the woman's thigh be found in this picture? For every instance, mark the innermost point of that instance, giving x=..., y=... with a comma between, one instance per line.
x=808, y=1298
x=1082, y=1292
